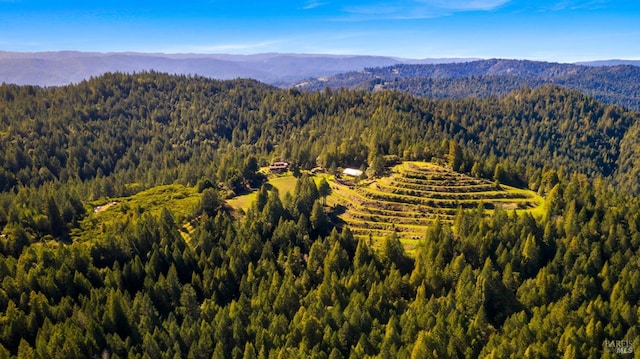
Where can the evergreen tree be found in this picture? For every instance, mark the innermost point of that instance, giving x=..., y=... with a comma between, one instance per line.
x=319, y=220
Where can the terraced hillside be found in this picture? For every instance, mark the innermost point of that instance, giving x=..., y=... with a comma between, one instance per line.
x=415, y=195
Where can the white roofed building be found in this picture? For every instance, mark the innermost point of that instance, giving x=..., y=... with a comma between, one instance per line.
x=352, y=172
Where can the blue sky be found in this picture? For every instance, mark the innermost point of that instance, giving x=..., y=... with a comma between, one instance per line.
x=553, y=30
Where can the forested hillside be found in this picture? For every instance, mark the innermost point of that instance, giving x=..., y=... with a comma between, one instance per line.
x=283, y=280
x=612, y=84
x=152, y=128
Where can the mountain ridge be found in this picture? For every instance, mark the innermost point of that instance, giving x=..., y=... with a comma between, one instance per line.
x=58, y=68
x=618, y=84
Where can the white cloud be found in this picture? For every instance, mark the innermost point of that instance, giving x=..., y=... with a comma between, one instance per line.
x=312, y=4
x=465, y=5
x=576, y=5
x=380, y=9
x=417, y=9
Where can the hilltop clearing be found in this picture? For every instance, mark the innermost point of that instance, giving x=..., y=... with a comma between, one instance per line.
x=418, y=193
x=409, y=200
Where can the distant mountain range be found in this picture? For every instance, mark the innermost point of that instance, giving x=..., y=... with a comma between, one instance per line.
x=610, y=63
x=612, y=81
x=609, y=81
x=65, y=67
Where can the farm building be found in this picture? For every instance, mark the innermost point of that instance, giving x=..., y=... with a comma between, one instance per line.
x=352, y=172
x=278, y=167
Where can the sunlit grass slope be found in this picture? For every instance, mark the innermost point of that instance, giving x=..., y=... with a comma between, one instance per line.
x=415, y=194
x=180, y=200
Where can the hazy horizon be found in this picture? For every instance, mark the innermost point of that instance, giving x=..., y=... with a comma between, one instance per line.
x=300, y=54
x=565, y=31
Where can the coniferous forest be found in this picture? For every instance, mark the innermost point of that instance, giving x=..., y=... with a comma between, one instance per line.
x=284, y=278
x=617, y=84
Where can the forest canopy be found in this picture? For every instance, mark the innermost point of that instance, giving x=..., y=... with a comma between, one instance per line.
x=283, y=279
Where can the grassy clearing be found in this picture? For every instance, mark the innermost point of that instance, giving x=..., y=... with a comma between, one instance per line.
x=409, y=200
x=242, y=202
x=284, y=183
x=180, y=200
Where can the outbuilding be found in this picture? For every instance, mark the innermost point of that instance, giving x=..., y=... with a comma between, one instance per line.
x=352, y=172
